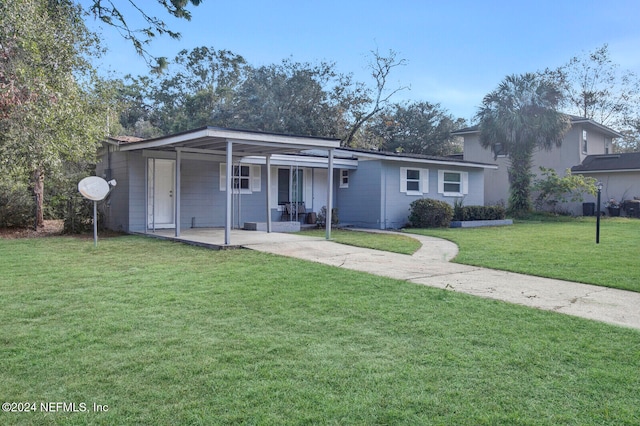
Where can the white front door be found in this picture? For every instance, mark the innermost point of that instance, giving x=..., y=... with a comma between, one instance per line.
x=161, y=179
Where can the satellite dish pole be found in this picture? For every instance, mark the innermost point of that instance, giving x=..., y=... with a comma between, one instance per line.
x=96, y=189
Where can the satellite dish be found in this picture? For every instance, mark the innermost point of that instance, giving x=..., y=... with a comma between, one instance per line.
x=94, y=188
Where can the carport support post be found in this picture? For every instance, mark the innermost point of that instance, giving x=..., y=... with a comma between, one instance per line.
x=177, y=199
x=328, y=217
x=268, y=192
x=229, y=172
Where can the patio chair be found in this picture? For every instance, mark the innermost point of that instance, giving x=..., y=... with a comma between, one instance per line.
x=293, y=210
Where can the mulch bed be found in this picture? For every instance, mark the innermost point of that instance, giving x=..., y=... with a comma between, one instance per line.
x=50, y=228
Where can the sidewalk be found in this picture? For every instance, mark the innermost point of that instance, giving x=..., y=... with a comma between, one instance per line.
x=431, y=266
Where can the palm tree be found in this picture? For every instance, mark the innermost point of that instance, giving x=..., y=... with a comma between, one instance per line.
x=516, y=119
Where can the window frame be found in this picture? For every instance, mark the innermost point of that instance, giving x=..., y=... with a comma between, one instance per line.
x=253, y=179
x=463, y=183
x=344, y=178
x=294, y=178
x=422, y=180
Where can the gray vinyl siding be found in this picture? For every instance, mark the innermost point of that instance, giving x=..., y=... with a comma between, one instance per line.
x=359, y=204
x=203, y=202
x=374, y=200
x=116, y=207
x=396, y=203
x=200, y=195
x=137, y=192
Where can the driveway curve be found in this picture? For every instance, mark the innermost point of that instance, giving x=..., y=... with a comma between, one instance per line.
x=431, y=265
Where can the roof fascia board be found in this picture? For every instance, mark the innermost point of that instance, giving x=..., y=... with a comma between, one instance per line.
x=164, y=141
x=292, y=160
x=589, y=172
x=601, y=127
x=269, y=138
x=376, y=156
x=235, y=136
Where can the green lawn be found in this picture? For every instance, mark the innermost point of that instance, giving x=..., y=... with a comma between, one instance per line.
x=396, y=243
x=563, y=249
x=163, y=333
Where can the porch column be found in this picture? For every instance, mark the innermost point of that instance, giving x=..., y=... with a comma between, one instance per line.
x=268, y=192
x=329, y=195
x=177, y=195
x=229, y=172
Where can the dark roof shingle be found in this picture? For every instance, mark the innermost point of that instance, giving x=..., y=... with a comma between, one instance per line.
x=609, y=162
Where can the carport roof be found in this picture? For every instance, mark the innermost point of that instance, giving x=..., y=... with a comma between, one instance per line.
x=623, y=162
x=245, y=142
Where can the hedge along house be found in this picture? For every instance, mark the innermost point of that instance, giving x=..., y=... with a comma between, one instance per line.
x=182, y=181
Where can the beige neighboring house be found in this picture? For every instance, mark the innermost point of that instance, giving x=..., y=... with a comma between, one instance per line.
x=585, y=138
x=620, y=177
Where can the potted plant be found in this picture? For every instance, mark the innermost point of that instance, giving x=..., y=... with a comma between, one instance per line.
x=613, y=207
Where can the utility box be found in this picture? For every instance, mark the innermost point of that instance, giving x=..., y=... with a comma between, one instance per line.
x=588, y=209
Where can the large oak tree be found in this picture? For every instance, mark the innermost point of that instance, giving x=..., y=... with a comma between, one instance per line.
x=52, y=106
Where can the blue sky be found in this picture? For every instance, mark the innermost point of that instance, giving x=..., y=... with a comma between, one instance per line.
x=456, y=51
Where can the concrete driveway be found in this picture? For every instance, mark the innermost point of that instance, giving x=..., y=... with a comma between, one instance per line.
x=431, y=266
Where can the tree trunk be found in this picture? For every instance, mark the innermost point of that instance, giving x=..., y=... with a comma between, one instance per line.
x=38, y=193
x=520, y=181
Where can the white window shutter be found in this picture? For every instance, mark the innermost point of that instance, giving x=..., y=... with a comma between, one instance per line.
x=308, y=187
x=223, y=177
x=256, y=179
x=440, y=181
x=274, y=187
x=424, y=185
x=465, y=183
x=403, y=179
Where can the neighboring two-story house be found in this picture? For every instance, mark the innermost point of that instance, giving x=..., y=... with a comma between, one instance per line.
x=584, y=138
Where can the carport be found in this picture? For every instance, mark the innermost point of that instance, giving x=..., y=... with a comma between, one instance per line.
x=232, y=145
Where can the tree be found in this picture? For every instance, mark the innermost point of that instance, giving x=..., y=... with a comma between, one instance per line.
x=553, y=189
x=117, y=17
x=290, y=97
x=361, y=103
x=198, y=85
x=517, y=118
x=53, y=106
x=416, y=128
x=596, y=88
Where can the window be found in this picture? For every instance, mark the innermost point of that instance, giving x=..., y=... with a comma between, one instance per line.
x=414, y=181
x=585, y=145
x=452, y=183
x=499, y=151
x=290, y=193
x=241, y=177
x=246, y=178
x=344, y=178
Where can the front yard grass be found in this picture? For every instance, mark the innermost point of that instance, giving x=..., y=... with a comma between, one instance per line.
x=396, y=243
x=563, y=249
x=164, y=333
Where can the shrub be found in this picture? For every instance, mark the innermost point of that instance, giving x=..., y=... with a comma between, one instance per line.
x=553, y=189
x=321, y=220
x=463, y=213
x=16, y=205
x=78, y=216
x=428, y=213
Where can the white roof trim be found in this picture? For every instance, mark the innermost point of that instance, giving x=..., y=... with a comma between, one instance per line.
x=407, y=159
x=236, y=136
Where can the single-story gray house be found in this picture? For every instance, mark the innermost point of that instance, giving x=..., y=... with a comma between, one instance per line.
x=184, y=181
